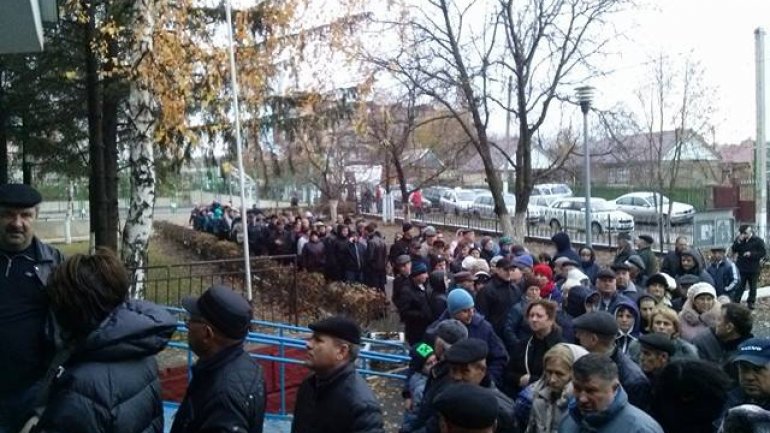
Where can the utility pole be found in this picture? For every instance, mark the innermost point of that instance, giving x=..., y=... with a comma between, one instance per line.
x=585, y=95
x=761, y=142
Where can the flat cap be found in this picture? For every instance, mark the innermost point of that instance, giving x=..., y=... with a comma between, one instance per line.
x=598, y=322
x=506, y=240
x=467, y=351
x=467, y=406
x=504, y=263
x=605, y=274
x=718, y=248
x=463, y=276
x=224, y=309
x=660, y=278
x=403, y=259
x=19, y=195
x=658, y=341
x=637, y=261
x=451, y=331
x=339, y=327
x=620, y=267
x=647, y=238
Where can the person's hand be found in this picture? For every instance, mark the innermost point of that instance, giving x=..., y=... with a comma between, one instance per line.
x=407, y=404
x=524, y=381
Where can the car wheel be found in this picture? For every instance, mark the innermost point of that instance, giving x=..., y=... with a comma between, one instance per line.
x=555, y=225
x=596, y=229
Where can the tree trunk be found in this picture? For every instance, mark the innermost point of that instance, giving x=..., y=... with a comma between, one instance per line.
x=138, y=228
x=96, y=184
x=520, y=226
x=70, y=212
x=333, y=203
x=111, y=101
x=3, y=135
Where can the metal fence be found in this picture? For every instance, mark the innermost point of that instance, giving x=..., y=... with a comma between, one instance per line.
x=274, y=283
x=543, y=231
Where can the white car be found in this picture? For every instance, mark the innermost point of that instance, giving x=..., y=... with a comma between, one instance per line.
x=544, y=194
x=642, y=206
x=484, y=207
x=605, y=217
x=457, y=201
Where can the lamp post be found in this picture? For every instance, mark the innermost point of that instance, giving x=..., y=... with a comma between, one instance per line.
x=585, y=96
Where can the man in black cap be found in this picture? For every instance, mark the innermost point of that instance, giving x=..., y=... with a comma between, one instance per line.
x=467, y=364
x=413, y=304
x=464, y=407
x=227, y=391
x=625, y=249
x=402, y=268
x=656, y=350
x=749, y=250
x=401, y=246
x=27, y=263
x=723, y=271
x=335, y=398
x=500, y=294
x=596, y=332
x=623, y=282
x=644, y=250
x=753, y=361
x=608, y=291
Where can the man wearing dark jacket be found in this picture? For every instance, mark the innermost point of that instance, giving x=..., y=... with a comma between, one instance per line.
x=596, y=332
x=719, y=344
x=24, y=319
x=413, y=304
x=499, y=295
x=724, y=272
x=376, y=258
x=227, y=391
x=335, y=398
x=672, y=261
x=644, y=250
x=564, y=247
x=749, y=250
x=625, y=250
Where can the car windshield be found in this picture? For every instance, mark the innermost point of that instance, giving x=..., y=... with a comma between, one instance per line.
x=465, y=196
x=651, y=198
x=560, y=189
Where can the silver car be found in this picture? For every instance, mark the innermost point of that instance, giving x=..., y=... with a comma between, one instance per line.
x=570, y=213
x=484, y=207
x=457, y=201
x=644, y=207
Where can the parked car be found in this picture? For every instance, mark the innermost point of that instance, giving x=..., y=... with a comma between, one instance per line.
x=642, y=206
x=433, y=193
x=570, y=213
x=544, y=194
x=457, y=201
x=484, y=207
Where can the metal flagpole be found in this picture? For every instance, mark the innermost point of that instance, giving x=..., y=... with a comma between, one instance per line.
x=239, y=146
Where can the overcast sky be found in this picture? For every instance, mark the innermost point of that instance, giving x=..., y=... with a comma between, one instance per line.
x=718, y=33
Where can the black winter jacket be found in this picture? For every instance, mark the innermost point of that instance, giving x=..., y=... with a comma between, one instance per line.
x=495, y=300
x=753, y=245
x=313, y=257
x=633, y=380
x=227, y=394
x=341, y=403
x=110, y=383
x=376, y=257
x=414, y=310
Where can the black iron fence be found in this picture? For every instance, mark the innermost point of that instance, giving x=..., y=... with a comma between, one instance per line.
x=274, y=283
x=604, y=231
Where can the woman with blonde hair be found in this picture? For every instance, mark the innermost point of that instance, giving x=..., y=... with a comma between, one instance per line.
x=550, y=394
x=666, y=321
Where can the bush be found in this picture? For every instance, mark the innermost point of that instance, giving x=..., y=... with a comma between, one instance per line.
x=298, y=295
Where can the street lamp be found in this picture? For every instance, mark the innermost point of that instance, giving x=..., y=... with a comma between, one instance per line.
x=585, y=96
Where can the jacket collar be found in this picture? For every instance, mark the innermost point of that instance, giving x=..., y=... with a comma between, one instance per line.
x=335, y=376
x=215, y=362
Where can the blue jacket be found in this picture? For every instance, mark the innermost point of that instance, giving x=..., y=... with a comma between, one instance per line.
x=620, y=417
x=497, y=357
x=110, y=384
x=725, y=275
x=632, y=378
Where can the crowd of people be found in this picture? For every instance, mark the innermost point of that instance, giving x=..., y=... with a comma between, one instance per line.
x=566, y=343
x=501, y=340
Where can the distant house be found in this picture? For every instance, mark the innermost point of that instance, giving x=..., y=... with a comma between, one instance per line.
x=633, y=160
x=472, y=173
x=737, y=161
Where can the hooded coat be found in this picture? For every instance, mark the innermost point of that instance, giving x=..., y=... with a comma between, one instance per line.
x=696, y=270
x=692, y=323
x=110, y=383
x=620, y=417
x=589, y=267
x=624, y=339
x=564, y=247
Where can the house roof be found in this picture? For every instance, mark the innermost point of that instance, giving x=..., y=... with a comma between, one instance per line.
x=737, y=153
x=540, y=160
x=644, y=147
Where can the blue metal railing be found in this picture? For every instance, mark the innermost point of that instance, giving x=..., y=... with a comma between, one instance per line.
x=284, y=341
